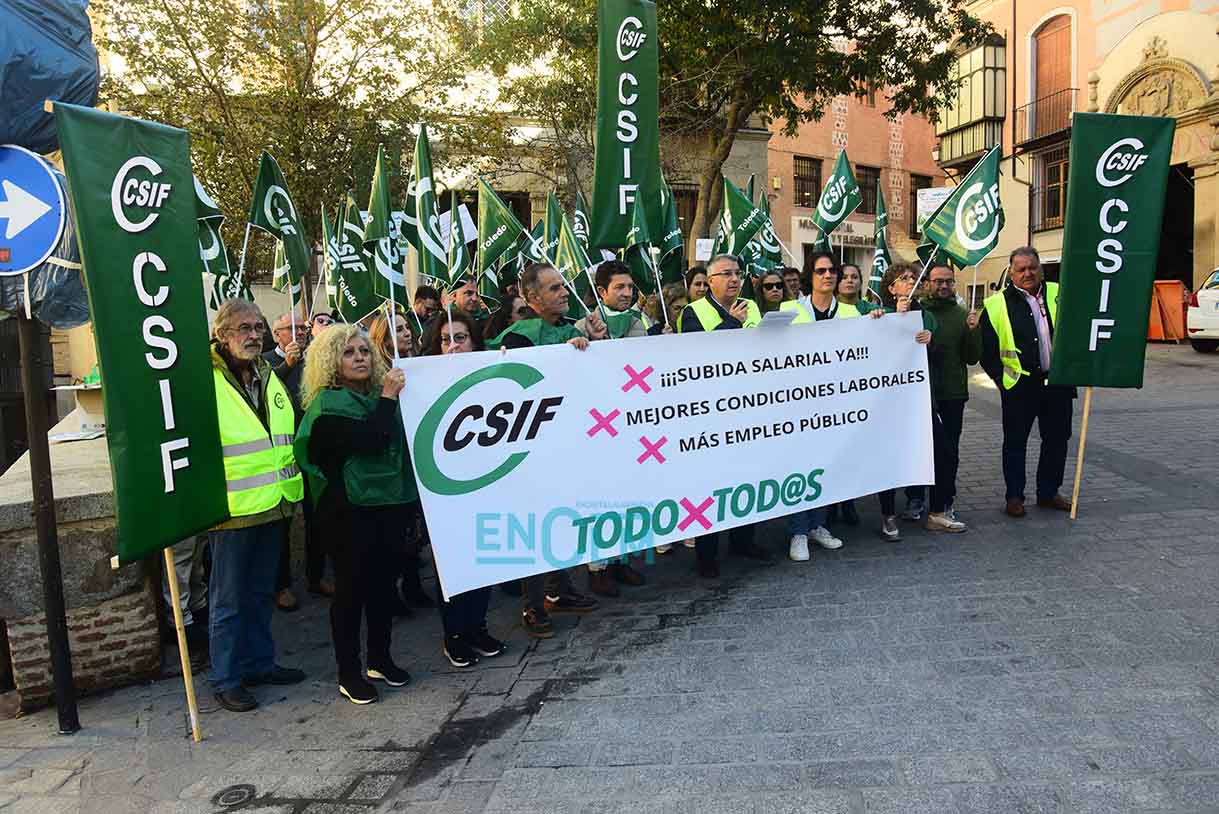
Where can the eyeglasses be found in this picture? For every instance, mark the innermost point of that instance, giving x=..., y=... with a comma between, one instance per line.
x=823, y=272
x=949, y=282
x=772, y=286
x=458, y=339
x=321, y=319
x=736, y=274
x=247, y=328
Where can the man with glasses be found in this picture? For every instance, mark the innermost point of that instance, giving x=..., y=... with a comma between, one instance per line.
x=426, y=304
x=257, y=424
x=960, y=344
x=319, y=323
x=1017, y=327
x=791, y=281
x=723, y=310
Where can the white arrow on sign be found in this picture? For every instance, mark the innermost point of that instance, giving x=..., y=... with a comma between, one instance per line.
x=21, y=208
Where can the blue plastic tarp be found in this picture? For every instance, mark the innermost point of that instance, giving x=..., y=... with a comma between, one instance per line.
x=46, y=52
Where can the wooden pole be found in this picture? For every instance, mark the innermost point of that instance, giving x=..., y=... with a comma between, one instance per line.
x=171, y=575
x=1079, y=458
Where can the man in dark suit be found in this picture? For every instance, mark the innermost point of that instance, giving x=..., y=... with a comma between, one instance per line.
x=1017, y=334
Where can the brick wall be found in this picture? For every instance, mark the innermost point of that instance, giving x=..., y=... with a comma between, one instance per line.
x=114, y=642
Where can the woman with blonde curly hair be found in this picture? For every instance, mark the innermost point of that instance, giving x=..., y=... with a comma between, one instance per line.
x=379, y=333
x=352, y=448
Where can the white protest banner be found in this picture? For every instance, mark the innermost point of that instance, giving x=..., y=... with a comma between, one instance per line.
x=533, y=460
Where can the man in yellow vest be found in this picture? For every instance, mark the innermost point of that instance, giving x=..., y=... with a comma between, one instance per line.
x=257, y=425
x=723, y=310
x=1017, y=328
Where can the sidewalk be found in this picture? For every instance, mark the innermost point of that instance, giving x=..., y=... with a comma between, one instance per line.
x=1027, y=666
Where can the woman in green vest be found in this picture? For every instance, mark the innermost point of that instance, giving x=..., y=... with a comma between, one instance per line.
x=352, y=448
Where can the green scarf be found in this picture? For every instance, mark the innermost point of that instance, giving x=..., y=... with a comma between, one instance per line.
x=538, y=331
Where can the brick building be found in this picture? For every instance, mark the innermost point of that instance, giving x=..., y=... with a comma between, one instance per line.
x=896, y=152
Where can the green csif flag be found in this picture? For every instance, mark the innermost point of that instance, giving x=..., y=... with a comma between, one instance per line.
x=839, y=198
x=572, y=262
x=764, y=252
x=627, y=160
x=554, y=220
x=1115, y=205
x=966, y=227
x=457, y=255
x=740, y=220
x=281, y=280
x=330, y=260
x=272, y=211
x=422, y=214
x=637, y=253
x=671, y=243
x=881, y=260
x=355, y=292
x=225, y=284
x=381, y=237
x=151, y=329
x=498, y=228
x=580, y=223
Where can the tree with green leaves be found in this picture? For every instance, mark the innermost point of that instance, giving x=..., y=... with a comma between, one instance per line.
x=317, y=83
x=722, y=63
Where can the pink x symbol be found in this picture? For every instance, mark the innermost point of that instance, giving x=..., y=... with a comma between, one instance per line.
x=651, y=450
x=604, y=422
x=695, y=513
x=637, y=379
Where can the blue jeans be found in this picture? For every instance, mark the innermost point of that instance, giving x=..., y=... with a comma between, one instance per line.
x=806, y=521
x=242, y=598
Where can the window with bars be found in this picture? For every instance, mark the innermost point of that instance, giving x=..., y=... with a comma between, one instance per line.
x=1051, y=191
x=868, y=179
x=917, y=182
x=806, y=181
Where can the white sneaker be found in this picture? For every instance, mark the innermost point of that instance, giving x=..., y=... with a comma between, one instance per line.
x=690, y=543
x=914, y=509
x=889, y=529
x=798, y=552
x=940, y=521
x=826, y=540
x=663, y=549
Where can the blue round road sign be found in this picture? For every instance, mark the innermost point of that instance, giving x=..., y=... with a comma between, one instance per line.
x=31, y=210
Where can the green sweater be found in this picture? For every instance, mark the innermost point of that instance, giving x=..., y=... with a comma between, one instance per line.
x=959, y=347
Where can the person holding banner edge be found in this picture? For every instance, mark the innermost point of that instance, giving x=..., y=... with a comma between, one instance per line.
x=547, y=294
x=722, y=309
x=352, y=448
x=1017, y=327
x=257, y=423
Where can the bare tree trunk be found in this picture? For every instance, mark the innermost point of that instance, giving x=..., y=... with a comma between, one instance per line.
x=711, y=186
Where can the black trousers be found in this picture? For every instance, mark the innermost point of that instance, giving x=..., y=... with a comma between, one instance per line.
x=535, y=588
x=365, y=565
x=465, y=614
x=1033, y=400
x=946, y=437
x=707, y=546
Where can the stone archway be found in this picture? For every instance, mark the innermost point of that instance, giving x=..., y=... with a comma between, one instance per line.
x=1160, y=86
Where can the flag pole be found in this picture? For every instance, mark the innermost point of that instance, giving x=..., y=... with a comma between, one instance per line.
x=660, y=294
x=188, y=679
x=1079, y=458
x=244, y=243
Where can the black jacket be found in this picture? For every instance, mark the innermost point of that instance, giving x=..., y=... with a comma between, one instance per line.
x=1024, y=331
x=290, y=376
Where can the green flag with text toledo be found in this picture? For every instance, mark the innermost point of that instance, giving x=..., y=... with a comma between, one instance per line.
x=1115, y=202
x=134, y=200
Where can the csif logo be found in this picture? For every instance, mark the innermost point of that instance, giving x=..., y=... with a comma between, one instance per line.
x=835, y=193
x=132, y=189
x=630, y=38
x=504, y=422
x=978, y=211
x=1117, y=160
x=277, y=206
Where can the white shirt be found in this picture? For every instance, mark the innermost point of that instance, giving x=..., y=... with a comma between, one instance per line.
x=1042, y=321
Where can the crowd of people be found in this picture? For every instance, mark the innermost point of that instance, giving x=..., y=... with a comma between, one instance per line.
x=313, y=420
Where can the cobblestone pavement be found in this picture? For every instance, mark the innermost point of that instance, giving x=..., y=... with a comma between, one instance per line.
x=1036, y=665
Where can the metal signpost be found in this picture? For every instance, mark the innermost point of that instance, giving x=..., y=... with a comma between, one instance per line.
x=32, y=214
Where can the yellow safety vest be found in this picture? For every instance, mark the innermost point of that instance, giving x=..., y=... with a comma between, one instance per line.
x=259, y=467
x=709, y=316
x=1009, y=354
x=804, y=314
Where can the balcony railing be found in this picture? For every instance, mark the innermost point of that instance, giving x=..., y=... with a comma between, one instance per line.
x=1047, y=116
